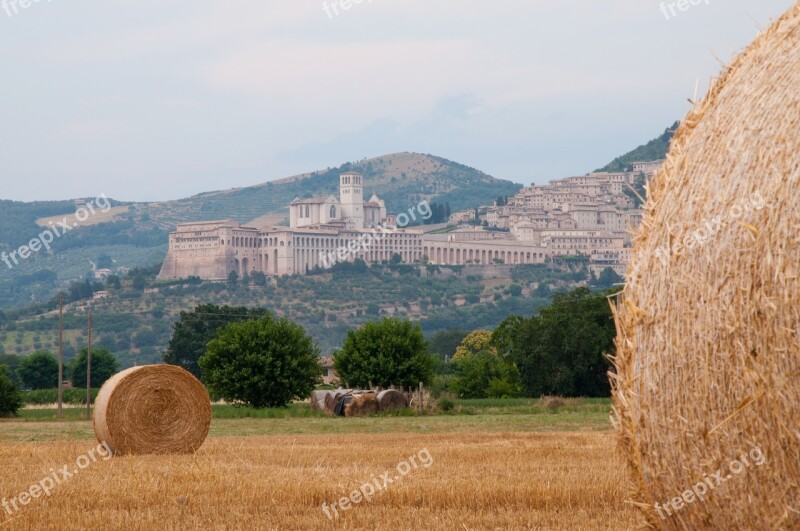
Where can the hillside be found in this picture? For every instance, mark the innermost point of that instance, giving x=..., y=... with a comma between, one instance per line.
x=135, y=322
x=136, y=234
x=401, y=179
x=656, y=149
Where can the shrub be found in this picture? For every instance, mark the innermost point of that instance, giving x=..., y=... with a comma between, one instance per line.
x=446, y=404
x=104, y=366
x=390, y=352
x=262, y=362
x=38, y=371
x=10, y=399
x=485, y=375
x=442, y=383
x=50, y=396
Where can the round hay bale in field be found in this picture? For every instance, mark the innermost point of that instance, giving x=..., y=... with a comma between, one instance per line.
x=154, y=409
x=362, y=404
x=342, y=402
x=391, y=399
x=330, y=402
x=341, y=392
x=318, y=399
x=707, y=380
x=337, y=395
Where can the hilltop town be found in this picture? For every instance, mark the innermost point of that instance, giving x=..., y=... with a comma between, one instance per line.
x=590, y=216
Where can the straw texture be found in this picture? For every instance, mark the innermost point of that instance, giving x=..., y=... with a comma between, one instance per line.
x=154, y=409
x=708, y=348
x=319, y=400
x=363, y=404
x=391, y=399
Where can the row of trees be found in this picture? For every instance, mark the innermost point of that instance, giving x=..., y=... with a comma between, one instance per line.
x=250, y=356
x=562, y=350
x=40, y=369
x=264, y=361
x=440, y=213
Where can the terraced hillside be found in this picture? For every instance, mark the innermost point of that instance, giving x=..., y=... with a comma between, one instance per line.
x=135, y=321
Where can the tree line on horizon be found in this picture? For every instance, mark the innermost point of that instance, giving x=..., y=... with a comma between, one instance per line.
x=250, y=356
x=560, y=351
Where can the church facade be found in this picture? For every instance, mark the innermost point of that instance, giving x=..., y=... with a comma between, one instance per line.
x=317, y=228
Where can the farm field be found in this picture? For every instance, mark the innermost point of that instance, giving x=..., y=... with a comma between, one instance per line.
x=488, y=467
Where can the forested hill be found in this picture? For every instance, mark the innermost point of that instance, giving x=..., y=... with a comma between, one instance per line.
x=656, y=149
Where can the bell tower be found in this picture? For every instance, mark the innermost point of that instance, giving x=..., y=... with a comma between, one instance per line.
x=351, y=197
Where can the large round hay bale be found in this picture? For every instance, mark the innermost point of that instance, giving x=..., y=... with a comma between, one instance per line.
x=330, y=402
x=707, y=383
x=342, y=402
x=391, y=399
x=318, y=399
x=337, y=395
x=363, y=404
x=154, y=409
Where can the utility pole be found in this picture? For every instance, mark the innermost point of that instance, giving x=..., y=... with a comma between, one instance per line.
x=60, y=354
x=89, y=371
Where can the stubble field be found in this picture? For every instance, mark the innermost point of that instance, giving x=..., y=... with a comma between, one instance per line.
x=472, y=472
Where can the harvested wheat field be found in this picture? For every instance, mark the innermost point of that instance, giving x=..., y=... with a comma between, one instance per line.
x=471, y=481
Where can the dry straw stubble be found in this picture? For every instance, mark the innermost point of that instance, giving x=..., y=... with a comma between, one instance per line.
x=708, y=348
x=154, y=409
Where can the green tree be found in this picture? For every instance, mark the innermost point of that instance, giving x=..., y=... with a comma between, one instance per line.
x=139, y=282
x=193, y=331
x=38, y=371
x=10, y=397
x=105, y=262
x=262, y=362
x=486, y=375
x=113, y=282
x=564, y=349
x=475, y=342
x=104, y=366
x=233, y=279
x=11, y=363
x=388, y=352
x=608, y=277
x=444, y=343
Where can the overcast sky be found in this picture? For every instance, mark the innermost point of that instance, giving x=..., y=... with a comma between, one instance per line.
x=152, y=100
